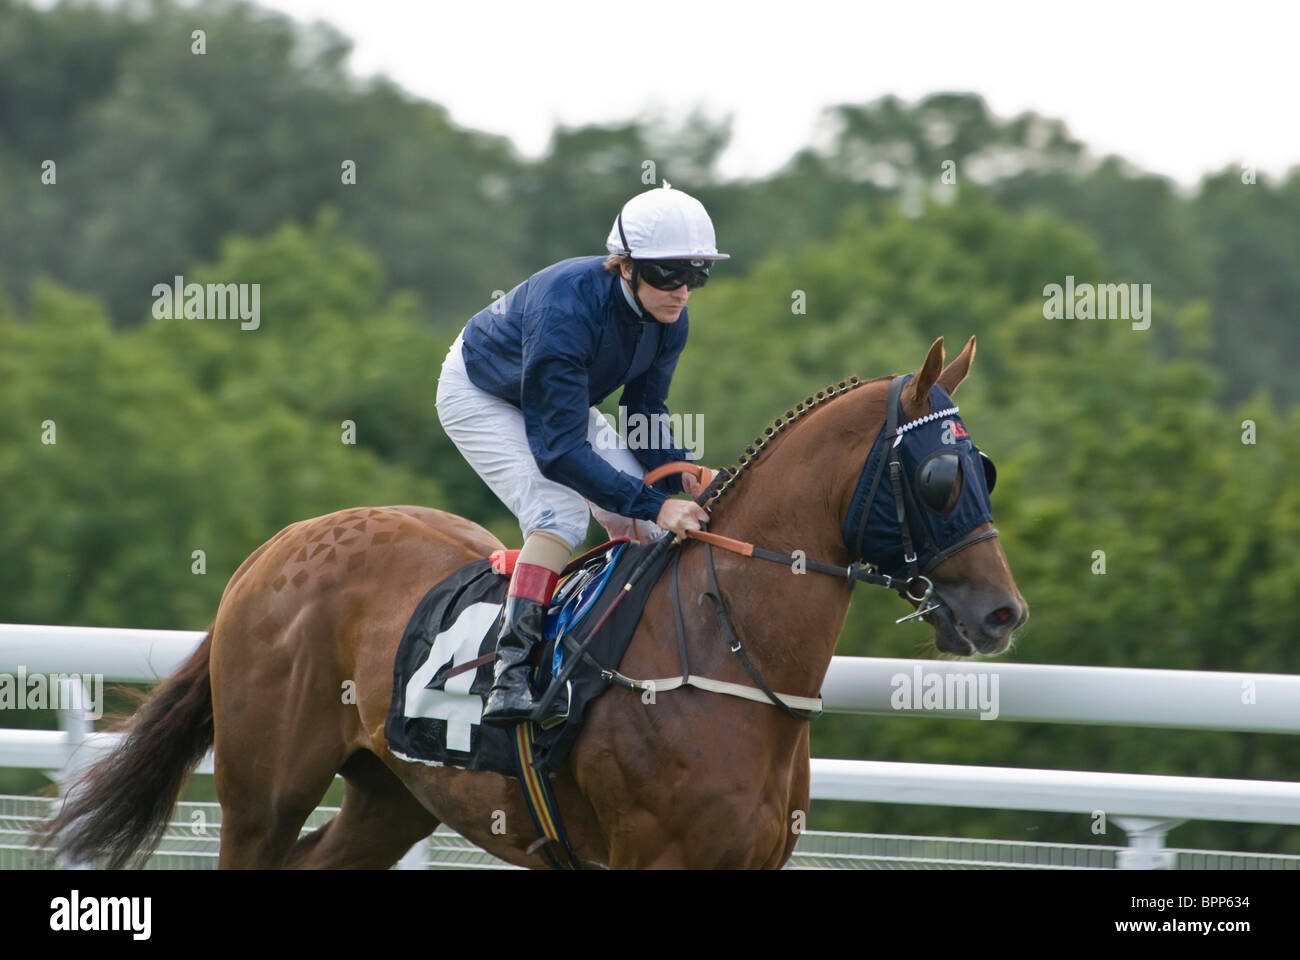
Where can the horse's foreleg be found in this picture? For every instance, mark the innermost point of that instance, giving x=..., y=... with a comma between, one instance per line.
x=800, y=788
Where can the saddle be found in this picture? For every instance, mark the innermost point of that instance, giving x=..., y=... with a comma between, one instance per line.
x=576, y=590
x=442, y=673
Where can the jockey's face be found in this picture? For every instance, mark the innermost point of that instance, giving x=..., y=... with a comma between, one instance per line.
x=664, y=305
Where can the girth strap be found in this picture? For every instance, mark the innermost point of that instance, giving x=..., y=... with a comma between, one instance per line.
x=543, y=809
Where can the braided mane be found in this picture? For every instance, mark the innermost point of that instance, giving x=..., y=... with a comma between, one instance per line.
x=730, y=475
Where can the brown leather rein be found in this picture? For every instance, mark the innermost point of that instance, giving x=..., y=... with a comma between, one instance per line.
x=853, y=573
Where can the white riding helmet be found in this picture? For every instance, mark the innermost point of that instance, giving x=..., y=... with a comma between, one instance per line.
x=664, y=224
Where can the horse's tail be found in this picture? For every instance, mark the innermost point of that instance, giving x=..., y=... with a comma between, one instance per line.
x=120, y=805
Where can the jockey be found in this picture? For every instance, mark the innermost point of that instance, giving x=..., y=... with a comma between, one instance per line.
x=518, y=395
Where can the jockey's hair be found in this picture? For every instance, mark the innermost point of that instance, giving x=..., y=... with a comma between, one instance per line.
x=615, y=262
x=731, y=474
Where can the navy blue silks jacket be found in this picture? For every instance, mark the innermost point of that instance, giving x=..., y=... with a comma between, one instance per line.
x=558, y=344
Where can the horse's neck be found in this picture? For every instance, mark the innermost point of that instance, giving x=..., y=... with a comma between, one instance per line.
x=796, y=493
x=792, y=499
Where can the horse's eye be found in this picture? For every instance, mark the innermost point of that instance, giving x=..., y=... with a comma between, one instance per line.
x=938, y=482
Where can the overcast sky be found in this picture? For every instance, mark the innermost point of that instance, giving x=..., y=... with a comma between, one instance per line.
x=1179, y=88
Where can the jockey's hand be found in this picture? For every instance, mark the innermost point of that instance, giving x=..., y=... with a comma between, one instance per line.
x=678, y=516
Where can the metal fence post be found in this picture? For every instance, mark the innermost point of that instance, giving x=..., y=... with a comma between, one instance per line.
x=414, y=859
x=1146, y=840
x=76, y=726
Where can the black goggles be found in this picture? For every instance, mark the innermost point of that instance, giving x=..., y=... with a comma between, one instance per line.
x=938, y=480
x=671, y=274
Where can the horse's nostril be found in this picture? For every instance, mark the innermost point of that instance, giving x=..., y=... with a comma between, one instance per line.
x=1001, y=622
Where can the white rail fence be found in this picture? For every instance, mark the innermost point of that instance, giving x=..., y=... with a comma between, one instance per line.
x=1146, y=807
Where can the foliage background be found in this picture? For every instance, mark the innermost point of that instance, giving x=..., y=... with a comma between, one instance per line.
x=175, y=435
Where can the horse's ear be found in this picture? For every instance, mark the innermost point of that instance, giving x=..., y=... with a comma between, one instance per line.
x=955, y=372
x=916, y=395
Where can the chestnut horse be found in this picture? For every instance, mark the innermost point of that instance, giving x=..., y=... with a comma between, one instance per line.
x=292, y=684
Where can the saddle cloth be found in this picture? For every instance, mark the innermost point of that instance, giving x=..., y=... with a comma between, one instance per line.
x=437, y=720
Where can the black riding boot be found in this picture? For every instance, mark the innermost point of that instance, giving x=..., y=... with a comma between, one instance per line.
x=511, y=699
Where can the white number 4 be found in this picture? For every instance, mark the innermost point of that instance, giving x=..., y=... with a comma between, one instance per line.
x=455, y=704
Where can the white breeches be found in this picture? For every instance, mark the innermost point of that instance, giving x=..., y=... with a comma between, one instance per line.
x=489, y=433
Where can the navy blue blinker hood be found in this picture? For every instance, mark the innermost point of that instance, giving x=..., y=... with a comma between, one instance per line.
x=871, y=529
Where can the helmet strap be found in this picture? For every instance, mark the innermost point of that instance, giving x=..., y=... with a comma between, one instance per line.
x=646, y=316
